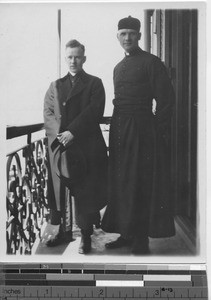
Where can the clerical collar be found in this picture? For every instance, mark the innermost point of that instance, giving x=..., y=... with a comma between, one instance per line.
x=133, y=52
x=72, y=75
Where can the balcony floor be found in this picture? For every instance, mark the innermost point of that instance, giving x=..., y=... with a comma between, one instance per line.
x=163, y=247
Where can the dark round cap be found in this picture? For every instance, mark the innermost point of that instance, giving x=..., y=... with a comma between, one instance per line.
x=129, y=23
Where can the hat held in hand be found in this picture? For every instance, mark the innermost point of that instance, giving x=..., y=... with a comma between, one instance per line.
x=70, y=163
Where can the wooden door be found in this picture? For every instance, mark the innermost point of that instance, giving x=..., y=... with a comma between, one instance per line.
x=173, y=37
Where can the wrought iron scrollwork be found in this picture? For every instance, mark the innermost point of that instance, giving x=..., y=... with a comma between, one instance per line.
x=27, y=175
x=26, y=197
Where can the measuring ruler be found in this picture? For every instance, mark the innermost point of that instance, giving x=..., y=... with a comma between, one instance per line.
x=102, y=281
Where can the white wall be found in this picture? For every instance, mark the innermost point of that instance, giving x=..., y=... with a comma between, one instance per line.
x=95, y=25
x=29, y=50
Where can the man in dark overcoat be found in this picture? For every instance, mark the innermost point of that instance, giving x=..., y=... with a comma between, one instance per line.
x=139, y=164
x=73, y=109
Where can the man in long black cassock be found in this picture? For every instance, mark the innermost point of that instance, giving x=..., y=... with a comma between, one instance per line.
x=139, y=183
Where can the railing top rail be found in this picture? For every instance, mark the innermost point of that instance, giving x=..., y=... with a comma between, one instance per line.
x=16, y=131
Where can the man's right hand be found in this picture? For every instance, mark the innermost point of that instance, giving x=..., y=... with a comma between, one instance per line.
x=65, y=137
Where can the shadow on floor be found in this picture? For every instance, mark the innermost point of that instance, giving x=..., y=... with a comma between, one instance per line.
x=162, y=246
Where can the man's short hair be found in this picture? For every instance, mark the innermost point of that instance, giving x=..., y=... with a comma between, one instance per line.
x=74, y=44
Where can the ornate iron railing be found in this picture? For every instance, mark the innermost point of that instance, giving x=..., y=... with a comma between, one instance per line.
x=26, y=200
x=27, y=174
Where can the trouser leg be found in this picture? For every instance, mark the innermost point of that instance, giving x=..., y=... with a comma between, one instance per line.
x=86, y=222
x=55, y=217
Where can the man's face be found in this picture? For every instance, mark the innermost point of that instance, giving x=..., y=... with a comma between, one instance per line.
x=75, y=59
x=128, y=39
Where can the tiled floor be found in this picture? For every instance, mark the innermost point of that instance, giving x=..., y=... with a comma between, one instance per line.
x=165, y=246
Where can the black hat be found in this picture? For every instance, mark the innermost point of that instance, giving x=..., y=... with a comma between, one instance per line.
x=70, y=163
x=129, y=23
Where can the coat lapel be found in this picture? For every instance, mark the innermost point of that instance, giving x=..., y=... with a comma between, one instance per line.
x=77, y=88
x=66, y=89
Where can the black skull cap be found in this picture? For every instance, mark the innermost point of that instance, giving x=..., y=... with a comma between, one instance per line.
x=129, y=23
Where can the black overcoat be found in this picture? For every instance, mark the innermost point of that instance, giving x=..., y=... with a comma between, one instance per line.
x=79, y=110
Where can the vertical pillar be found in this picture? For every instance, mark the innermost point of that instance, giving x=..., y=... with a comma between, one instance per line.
x=59, y=44
x=147, y=30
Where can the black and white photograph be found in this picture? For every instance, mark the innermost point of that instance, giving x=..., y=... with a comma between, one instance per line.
x=104, y=110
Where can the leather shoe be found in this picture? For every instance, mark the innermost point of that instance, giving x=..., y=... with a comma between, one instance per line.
x=59, y=239
x=85, y=244
x=120, y=242
x=140, y=247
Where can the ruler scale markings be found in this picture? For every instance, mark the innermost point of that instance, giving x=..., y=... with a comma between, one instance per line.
x=155, y=295
x=44, y=291
x=194, y=288
x=154, y=292
x=71, y=292
x=205, y=292
x=112, y=292
x=58, y=292
x=99, y=292
x=195, y=292
x=126, y=292
x=140, y=292
x=12, y=291
x=85, y=292
x=181, y=292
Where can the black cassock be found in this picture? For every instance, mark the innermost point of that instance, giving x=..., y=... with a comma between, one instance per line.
x=140, y=200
